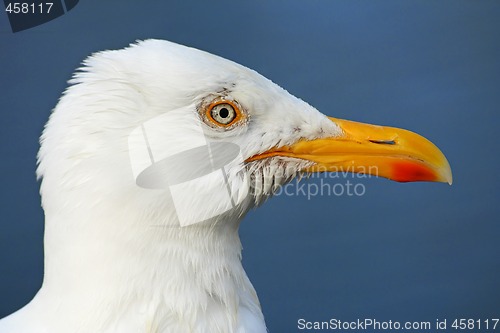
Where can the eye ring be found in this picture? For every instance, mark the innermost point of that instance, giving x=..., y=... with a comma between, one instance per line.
x=223, y=113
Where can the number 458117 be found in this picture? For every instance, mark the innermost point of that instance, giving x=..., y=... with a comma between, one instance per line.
x=475, y=324
x=28, y=8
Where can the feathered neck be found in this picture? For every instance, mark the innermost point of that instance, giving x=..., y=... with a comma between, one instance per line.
x=106, y=272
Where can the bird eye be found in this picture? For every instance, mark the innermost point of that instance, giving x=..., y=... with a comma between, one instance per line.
x=223, y=113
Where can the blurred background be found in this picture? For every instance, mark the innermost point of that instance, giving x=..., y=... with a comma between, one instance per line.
x=400, y=252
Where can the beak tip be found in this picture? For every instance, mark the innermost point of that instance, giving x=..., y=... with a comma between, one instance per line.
x=443, y=173
x=446, y=173
x=449, y=177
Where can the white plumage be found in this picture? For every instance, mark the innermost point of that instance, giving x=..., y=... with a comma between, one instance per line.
x=116, y=258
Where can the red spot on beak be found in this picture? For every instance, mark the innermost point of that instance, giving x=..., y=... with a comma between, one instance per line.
x=413, y=171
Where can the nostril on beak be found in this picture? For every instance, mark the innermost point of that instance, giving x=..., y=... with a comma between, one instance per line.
x=383, y=142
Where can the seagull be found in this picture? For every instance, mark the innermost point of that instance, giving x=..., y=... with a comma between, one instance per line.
x=149, y=162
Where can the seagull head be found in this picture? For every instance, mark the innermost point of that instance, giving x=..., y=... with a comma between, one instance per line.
x=155, y=153
x=166, y=117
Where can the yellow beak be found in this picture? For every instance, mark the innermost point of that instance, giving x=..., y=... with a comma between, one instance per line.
x=388, y=152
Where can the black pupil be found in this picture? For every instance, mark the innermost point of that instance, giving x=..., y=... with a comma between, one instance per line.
x=224, y=113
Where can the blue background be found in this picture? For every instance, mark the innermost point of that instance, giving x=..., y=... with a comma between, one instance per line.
x=419, y=251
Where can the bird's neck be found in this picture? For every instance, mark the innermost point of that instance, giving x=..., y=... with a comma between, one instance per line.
x=139, y=276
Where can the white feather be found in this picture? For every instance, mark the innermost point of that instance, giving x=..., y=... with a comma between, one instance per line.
x=116, y=259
